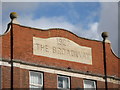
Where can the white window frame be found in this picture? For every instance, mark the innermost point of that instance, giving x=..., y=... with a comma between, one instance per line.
x=90, y=81
x=68, y=82
x=38, y=85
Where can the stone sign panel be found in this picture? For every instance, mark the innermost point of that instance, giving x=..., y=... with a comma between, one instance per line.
x=62, y=48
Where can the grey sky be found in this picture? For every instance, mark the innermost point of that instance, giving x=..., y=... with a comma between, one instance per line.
x=109, y=22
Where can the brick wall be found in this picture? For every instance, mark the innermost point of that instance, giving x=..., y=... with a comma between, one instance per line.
x=6, y=77
x=21, y=80
x=23, y=50
x=76, y=82
x=50, y=80
x=21, y=77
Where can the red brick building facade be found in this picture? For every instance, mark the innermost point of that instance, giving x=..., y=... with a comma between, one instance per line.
x=67, y=66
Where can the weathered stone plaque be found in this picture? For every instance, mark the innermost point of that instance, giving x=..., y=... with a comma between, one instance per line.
x=62, y=48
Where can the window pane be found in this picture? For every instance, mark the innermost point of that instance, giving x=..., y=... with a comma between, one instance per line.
x=60, y=82
x=32, y=87
x=63, y=82
x=40, y=78
x=36, y=80
x=88, y=84
x=35, y=77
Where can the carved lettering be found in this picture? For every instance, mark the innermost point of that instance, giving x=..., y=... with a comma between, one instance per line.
x=54, y=50
x=62, y=48
x=63, y=42
x=43, y=48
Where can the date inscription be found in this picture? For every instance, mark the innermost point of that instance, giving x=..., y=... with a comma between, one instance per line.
x=62, y=48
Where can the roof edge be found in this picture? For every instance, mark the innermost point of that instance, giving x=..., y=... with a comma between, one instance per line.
x=75, y=35
x=7, y=30
x=114, y=52
x=59, y=29
x=9, y=27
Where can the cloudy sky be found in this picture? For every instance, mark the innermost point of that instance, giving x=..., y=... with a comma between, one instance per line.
x=86, y=19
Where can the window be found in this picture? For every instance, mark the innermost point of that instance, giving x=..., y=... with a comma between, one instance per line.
x=63, y=82
x=89, y=85
x=36, y=80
